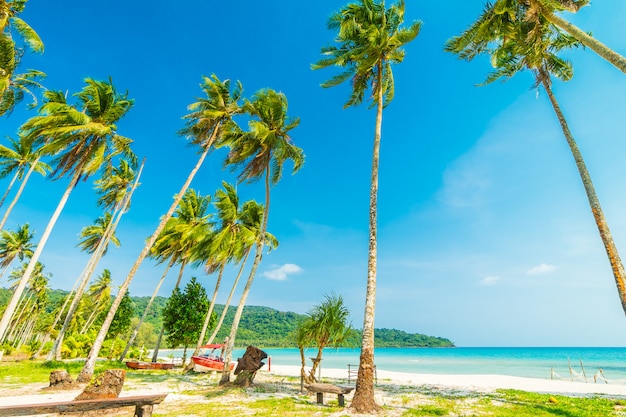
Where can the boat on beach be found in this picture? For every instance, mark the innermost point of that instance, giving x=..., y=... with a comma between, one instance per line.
x=149, y=365
x=209, y=360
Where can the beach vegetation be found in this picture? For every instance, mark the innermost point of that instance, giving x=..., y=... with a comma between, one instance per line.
x=325, y=325
x=184, y=314
x=370, y=39
x=524, y=38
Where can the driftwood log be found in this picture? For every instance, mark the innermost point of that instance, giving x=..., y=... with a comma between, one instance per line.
x=61, y=379
x=321, y=389
x=248, y=365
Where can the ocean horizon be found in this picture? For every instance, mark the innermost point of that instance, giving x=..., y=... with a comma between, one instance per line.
x=591, y=364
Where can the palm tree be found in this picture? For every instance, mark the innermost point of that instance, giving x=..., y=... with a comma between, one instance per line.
x=13, y=86
x=528, y=9
x=533, y=43
x=91, y=236
x=260, y=152
x=82, y=141
x=99, y=294
x=204, y=125
x=326, y=325
x=16, y=244
x=16, y=160
x=370, y=40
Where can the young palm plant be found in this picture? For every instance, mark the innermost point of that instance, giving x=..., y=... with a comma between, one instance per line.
x=517, y=42
x=261, y=153
x=371, y=40
x=82, y=139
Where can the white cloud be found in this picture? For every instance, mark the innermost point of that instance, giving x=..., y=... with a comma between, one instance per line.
x=280, y=273
x=490, y=280
x=541, y=269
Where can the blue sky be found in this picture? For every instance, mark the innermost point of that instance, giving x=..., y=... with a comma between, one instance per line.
x=485, y=234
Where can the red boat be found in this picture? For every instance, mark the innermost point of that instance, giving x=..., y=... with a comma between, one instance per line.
x=149, y=365
x=208, y=360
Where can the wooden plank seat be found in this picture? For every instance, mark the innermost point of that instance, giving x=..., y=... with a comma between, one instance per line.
x=321, y=389
x=143, y=406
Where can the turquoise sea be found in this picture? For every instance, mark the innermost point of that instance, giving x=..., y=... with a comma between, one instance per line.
x=539, y=362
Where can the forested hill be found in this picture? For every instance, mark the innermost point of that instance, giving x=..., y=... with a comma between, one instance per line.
x=259, y=326
x=267, y=327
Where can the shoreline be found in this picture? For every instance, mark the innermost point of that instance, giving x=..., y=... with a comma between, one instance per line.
x=468, y=383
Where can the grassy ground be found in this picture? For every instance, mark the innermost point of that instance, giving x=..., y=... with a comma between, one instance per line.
x=199, y=395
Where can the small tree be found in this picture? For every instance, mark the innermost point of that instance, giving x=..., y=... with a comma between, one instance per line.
x=184, y=314
x=326, y=325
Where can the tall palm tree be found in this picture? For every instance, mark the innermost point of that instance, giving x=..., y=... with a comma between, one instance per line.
x=260, y=153
x=533, y=44
x=14, y=245
x=82, y=139
x=370, y=40
x=204, y=125
x=91, y=236
x=99, y=294
x=16, y=160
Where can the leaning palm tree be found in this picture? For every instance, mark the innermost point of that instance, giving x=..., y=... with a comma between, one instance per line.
x=82, y=138
x=370, y=39
x=533, y=43
x=204, y=125
x=14, y=245
x=99, y=294
x=260, y=153
x=16, y=160
x=24, y=154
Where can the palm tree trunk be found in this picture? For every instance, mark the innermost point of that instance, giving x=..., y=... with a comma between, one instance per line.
x=316, y=362
x=230, y=296
x=207, y=319
x=363, y=400
x=10, y=309
x=589, y=41
x=145, y=313
x=246, y=290
x=8, y=190
x=18, y=194
x=594, y=202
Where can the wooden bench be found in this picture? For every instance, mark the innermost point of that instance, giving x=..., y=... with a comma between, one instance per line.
x=322, y=389
x=143, y=406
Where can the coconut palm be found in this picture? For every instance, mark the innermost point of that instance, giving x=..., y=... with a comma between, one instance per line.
x=326, y=325
x=250, y=220
x=370, y=39
x=99, y=294
x=14, y=245
x=549, y=11
x=204, y=125
x=82, y=139
x=92, y=236
x=533, y=43
x=10, y=21
x=17, y=159
x=260, y=153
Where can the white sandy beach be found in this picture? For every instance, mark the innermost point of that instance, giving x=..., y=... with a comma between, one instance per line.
x=478, y=383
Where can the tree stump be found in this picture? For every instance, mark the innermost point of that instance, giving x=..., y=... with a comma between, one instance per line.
x=61, y=379
x=248, y=365
x=105, y=385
